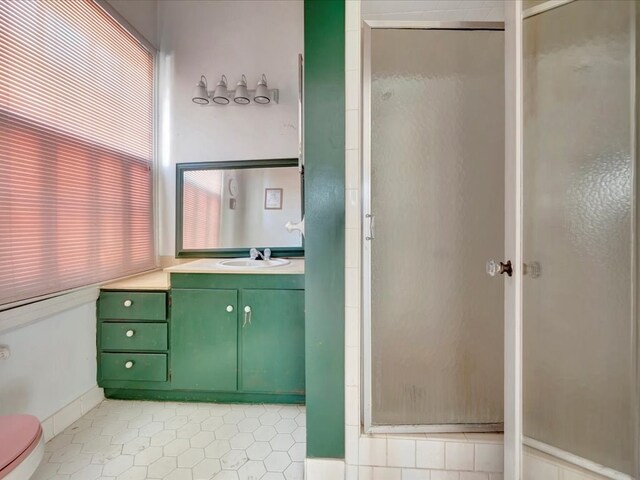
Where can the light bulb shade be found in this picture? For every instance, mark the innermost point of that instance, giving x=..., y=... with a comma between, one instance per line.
x=220, y=94
x=262, y=92
x=242, y=95
x=200, y=94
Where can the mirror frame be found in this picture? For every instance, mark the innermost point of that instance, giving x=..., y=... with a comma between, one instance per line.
x=181, y=168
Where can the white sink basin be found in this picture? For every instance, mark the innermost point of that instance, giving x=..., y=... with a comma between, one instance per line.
x=251, y=264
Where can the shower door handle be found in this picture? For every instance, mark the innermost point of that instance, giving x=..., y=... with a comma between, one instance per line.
x=372, y=231
x=494, y=268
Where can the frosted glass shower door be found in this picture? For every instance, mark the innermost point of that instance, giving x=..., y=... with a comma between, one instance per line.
x=579, y=348
x=434, y=206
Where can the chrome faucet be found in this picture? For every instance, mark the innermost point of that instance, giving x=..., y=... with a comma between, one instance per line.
x=254, y=253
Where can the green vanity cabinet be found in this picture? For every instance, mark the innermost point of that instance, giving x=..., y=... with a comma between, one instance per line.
x=241, y=335
x=272, y=341
x=132, y=340
x=211, y=337
x=204, y=335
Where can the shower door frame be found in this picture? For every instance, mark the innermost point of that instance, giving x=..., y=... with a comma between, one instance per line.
x=513, y=228
x=367, y=26
x=514, y=438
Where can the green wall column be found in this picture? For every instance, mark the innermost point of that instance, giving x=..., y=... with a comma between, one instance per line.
x=324, y=128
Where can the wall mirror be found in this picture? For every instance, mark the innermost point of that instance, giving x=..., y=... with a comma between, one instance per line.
x=223, y=209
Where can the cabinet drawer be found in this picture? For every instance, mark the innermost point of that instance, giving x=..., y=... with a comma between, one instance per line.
x=149, y=367
x=133, y=336
x=133, y=305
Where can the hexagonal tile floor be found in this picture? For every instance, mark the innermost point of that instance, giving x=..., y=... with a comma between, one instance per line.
x=130, y=440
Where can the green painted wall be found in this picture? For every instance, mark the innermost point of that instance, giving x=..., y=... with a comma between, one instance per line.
x=324, y=239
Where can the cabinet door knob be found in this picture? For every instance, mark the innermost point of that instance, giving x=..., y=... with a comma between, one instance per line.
x=247, y=309
x=129, y=364
x=128, y=303
x=229, y=308
x=130, y=333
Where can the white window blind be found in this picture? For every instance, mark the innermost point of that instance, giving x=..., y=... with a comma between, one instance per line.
x=76, y=147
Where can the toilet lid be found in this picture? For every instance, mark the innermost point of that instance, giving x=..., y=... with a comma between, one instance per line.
x=18, y=433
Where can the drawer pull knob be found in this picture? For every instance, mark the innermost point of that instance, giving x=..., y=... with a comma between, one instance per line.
x=129, y=364
x=130, y=333
x=229, y=308
x=128, y=303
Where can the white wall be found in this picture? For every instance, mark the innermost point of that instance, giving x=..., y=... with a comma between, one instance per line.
x=52, y=362
x=142, y=15
x=214, y=38
x=441, y=10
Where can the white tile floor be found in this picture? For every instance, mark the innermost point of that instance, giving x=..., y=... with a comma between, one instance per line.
x=131, y=440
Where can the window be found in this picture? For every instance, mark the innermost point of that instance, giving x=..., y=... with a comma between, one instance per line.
x=76, y=149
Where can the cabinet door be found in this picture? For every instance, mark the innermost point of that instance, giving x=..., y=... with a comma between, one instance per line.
x=204, y=335
x=272, y=341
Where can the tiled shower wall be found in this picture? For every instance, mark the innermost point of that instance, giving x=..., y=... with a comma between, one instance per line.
x=539, y=466
x=390, y=457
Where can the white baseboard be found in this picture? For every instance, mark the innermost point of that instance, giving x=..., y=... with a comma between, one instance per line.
x=323, y=469
x=71, y=412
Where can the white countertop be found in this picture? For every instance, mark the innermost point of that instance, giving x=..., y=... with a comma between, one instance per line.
x=210, y=265
x=157, y=280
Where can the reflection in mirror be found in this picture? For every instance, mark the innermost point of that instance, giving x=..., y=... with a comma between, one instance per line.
x=240, y=208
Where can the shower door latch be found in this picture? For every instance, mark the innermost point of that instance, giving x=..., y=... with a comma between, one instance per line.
x=494, y=268
x=372, y=233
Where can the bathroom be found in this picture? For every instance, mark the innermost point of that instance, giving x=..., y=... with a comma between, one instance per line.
x=447, y=358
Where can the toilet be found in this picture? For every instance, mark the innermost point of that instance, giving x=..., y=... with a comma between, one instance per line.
x=21, y=446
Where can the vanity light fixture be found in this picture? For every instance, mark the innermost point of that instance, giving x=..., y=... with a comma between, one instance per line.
x=220, y=94
x=242, y=94
x=262, y=95
x=201, y=96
